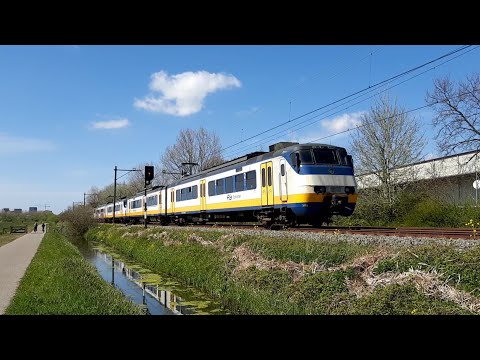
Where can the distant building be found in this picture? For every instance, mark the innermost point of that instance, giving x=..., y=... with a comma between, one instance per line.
x=17, y=211
x=5, y=210
x=450, y=178
x=32, y=209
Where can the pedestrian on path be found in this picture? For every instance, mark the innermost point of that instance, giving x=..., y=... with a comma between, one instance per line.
x=43, y=227
x=35, y=227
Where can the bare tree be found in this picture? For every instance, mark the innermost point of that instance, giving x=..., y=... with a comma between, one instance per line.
x=105, y=195
x=93, y=199
x=386, y=140
x=192, y=146
x=457, y=118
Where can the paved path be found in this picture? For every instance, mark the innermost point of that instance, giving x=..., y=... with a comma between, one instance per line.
x=14, y=260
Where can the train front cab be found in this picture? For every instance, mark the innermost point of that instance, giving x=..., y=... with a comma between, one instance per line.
x=316, y=182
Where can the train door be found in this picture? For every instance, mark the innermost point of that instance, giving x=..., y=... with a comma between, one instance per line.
x=266, y=177
x=159, y=201
x=283, y=181
x=203, y=199
x=172, y=200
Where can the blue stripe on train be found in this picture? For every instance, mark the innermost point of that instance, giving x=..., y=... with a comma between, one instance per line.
x=325, y=170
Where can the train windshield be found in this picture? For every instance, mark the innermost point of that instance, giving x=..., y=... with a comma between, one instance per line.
x=325, y=156
x=306, y=157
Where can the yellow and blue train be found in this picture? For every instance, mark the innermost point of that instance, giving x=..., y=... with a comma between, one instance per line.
x=292, y=184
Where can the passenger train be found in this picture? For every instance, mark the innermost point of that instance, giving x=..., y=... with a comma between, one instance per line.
x=290, y=185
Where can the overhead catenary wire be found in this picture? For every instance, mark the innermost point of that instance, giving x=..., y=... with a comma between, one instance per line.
x=338, y=73
x=386, y=118
x=296, y=127
x=367, y=91
x=369, y=88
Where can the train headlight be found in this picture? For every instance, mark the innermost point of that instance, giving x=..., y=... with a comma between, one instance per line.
x=349, y=189
x=320, y=189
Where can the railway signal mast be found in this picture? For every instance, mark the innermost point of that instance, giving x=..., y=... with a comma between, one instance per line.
x=149, y=173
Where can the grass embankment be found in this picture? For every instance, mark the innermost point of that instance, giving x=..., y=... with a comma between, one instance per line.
x=6, y=238
x=60, y=281
x=13, y=219
x=255, y=274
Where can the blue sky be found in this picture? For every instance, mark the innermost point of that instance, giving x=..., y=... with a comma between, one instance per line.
x=69, y=114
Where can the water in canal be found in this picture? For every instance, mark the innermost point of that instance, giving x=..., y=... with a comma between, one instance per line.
x=158, y=294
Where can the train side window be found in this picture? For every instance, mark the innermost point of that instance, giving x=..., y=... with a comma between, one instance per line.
x=282, y=169
x=211, y=188
x=293, y=160
x=220, y=187
x=263, y=177
x=269, y=176
x=229, y=184
x=178, y=195
x=251, y=180
x=194, y=191
x=349, y=160
x=239, y=182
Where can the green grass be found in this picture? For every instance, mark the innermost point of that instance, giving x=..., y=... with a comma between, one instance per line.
x=11, y=219
x=306, y=251
x=60, y=281
x=275, y=289
x=460, y=268
x=402, y=300
x=6, y=238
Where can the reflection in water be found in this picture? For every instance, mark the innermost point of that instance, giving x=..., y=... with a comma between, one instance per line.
x=164, y=297
x=157, y=294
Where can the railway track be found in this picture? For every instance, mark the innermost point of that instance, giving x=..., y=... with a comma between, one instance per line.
x=449, y=233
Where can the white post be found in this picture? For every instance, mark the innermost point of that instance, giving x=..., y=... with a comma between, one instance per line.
x=476, y=180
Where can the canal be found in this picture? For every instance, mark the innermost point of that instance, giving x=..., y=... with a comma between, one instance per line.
x=156, y=293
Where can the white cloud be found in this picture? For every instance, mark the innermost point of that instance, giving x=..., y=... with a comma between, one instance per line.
x=333, y=126
x=111, y=124
x=183, y=94
x=342, y=122
x=14, y=145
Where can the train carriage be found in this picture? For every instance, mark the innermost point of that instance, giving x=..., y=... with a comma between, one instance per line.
x=290, y=185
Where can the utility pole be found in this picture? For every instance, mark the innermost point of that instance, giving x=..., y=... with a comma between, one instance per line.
x=148, y=178
x=115, y=186
x=84, y=197
x=191, y=164
x=145, y=206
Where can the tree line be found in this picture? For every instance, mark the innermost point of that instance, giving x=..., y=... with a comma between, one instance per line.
x=198, y=149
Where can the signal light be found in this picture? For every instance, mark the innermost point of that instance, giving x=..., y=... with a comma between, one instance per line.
x=148, y=173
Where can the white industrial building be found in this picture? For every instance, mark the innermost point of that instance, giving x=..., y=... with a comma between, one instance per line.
x=450, y=178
